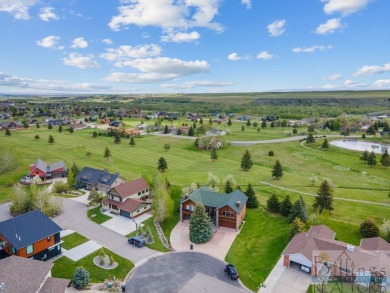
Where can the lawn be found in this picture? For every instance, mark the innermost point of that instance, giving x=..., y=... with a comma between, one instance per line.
x=65, y=267
x=157, y=245
x=96, y=216
x=171, y=220
x=73, y=240
x=257, y=248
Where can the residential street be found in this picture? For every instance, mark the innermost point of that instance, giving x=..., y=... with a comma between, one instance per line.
x=74, y=217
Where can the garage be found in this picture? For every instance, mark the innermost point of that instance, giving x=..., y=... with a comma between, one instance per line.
x=125, y=214
x=227, y=223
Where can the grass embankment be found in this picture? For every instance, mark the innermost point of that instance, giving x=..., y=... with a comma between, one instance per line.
x=97, y=216
x=65, y=267
x=73, y=240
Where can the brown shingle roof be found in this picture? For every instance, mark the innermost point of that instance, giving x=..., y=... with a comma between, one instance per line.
x=22, y=275
x=55, y=285
x=129, y=205
x=133, y=187
x=376, y=243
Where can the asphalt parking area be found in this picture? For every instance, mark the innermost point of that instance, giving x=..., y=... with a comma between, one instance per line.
x=182, y=272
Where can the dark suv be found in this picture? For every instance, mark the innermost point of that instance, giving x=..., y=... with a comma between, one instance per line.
x=231, y=271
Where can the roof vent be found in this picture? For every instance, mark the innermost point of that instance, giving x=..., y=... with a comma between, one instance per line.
x=350, y=247
x=238, y=204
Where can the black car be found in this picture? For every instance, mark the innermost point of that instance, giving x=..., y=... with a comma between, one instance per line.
x=231, y=271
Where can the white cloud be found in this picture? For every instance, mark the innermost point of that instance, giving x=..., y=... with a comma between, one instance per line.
x=265, y=55
x=247, y=3
x=79, y=43
x=17, y=8
x=159, y=69
x=329, y=86
x=201, y=83
x=80, y=61
x=124, y=53
x=349, y=82
x=180, y=37
x=329, y=27
x=234, y=57
x=311, y=49
x=382, y=83
x=335, y=76
x=47, y=14
x=344, y=7
x=277, y=28
x=49, y=42
x=167, y=14
x=373, y=69
x=107, y=41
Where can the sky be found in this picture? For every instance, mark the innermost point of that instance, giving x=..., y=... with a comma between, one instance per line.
x=193, y=46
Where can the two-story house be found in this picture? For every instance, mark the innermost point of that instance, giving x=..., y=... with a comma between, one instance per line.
x=31, y=235
x=45, y=171
x=130, y=199
x=101, y=180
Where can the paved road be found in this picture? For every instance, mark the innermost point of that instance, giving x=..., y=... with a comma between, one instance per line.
x=335, y=197
x=184, y=272
x=74, y=217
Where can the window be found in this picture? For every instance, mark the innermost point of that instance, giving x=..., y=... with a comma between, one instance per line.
x=143, y=191
x=13, y=250
x=228, y=214
x=30, y=249
x=139, y=193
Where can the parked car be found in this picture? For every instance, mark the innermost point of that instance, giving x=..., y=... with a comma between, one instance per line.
x=136, y=241
x=231, y=271
x=305, y=269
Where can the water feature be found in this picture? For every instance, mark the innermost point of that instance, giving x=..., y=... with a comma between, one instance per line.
x=376, y=147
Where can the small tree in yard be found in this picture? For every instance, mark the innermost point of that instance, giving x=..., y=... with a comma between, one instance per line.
x=242, y=128
x=364, y=156
x=325, y=144
x=310, y=138
x=324, y=200
x=49, y=126
x=7, y=132
x=277, y=171
x=214, y=154
x=229, y=122
x=273, y=204
x=80, y=278
x=167, y=146
x=162, y=164
x=213, y=182
x=107, y=153
x=117, y=138
x=60, y=128
x=286, y=206
x=385, y=159
x=252, y=201
x=71, y=130
x=298, y=210
x=248, y=122
x=132, y=141
x=37, y=136
x=166, y=129
x=369, y=229
x=112, y=260
x=51, y=139
x=95, y=197
x=201, y=226
x=228, y=187
x=297, y=226
x=385, y=228
x=371, y=160
x=191, y=131
x=246, y=161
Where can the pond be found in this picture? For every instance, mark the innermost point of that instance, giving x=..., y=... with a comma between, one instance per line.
x=356, y=145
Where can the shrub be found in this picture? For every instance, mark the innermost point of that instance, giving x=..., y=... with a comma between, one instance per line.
x=271, y=153
x=60, y=186
x=37, y=136
x=80, y=278
x=369, y=229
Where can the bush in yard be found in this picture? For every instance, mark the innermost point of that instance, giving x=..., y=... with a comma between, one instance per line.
x=37, y=136
x=60, y=186
x=271, y=153
x=273, y=204
x=80, y=278
x=369, y=229
x=95, y=197
x=102, y=260
x=112, y=260
x=201, y=227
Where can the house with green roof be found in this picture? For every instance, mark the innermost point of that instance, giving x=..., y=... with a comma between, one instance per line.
x=226, y=210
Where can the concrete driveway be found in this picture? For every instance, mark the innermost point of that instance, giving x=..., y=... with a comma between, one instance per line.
x=184, y=272
x=218, y=246
x=122, y=225
x=74, y=217
x=283, y=279
x=4, y=212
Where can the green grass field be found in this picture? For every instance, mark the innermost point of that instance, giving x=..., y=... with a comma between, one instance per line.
x=73, y=240
x=96, y=216
x=350, y=177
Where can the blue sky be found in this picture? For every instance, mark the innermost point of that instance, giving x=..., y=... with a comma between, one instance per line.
x=184, y=46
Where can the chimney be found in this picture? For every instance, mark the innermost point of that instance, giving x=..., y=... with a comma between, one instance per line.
x=238, y=204
x=186, y=196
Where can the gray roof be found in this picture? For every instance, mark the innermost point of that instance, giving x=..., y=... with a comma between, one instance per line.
x=41, y=165
x=93, y=176
x=218, y=200
x=28, y=228
x=55, y=285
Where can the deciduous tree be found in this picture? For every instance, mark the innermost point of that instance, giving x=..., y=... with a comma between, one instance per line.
x=297, y=226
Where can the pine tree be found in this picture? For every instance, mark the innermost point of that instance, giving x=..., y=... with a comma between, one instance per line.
x=60, y=128
x=297, y=226
x=252, y=201
x=71, y=130
x=298, y=210
x=7, y=132
x=214, y=154
x=117, y=138
x=75, y=170
x=80, y=278
x=200, y=120
x=162, y=164
x=51, y=139
x=107, y=153
x=325, y=144
x=210, y=121
x=228, y=187
x=178, y=132
x=37, y=125
x=132, y=141
x=273, y=204
x=272, y=124
x=371, y=160
x=49, y=126
x=369, y=229
x=385, y=159
x=94, y=134
x=286, y=206
x=310, y=138
x=263, y=124
x=191, y=131
x=364, y=156
x=242, y=128
x=248, y=122
x=246, y=161
x=201, y=226
x=166, y=129
x=277, y=171
x=229, y=122
x=324, y=200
